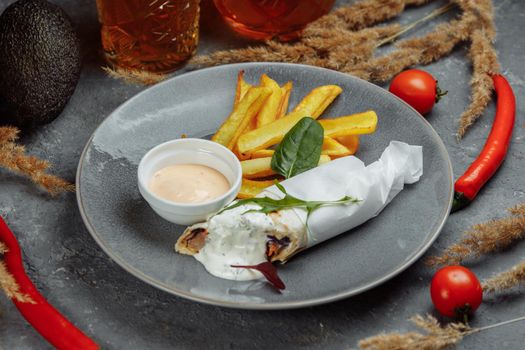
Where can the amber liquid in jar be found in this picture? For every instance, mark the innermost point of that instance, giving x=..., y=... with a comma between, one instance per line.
x=152, y=35
x=266, y=19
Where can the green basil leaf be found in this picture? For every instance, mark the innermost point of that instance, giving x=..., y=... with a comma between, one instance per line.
x=300, y=149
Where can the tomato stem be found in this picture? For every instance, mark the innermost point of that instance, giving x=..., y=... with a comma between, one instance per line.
x=464, y=312
x=439, y=93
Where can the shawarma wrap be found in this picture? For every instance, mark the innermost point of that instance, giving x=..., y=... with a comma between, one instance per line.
x=242, y=237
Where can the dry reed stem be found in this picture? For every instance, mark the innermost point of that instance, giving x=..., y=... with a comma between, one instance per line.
x=321, y=46
x=435, y=337
x=441, y=41
x=315, y=50
x=384, y=67
x=506, y=280
x=8, y=134
x=518, y=210
x=13, y=157
x=354, y=48
x=134, y=76
x=484, y=238
x=420, y=50
x=484, y=60
x=337, y=40
x=8, y=282
x=359, y=15
x=484, y=65
x=482, y=10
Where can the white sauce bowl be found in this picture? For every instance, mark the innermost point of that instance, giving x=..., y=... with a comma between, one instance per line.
x=189, y=151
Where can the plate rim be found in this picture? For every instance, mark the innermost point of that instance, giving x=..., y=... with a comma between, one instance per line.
x=272, y=305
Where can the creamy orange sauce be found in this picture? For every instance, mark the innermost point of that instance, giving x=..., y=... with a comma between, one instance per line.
x=188, y=183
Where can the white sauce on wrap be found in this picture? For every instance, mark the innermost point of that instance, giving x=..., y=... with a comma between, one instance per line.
x=239, y=238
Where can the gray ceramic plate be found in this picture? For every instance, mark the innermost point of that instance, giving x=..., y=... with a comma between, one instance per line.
x=195, y=104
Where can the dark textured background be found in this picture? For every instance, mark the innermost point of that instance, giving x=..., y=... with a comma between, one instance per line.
x=121, y=312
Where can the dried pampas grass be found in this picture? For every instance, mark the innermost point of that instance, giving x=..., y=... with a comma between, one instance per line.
x=314, y=50
x=336, y=41
x=421, y=50
x=484, y=65
x=8, y=283
x=484, y=60
x=360, y=15
x=436, y=337
x=484, y=238
x=14, y=158
x=506, y=280
x=134, y=76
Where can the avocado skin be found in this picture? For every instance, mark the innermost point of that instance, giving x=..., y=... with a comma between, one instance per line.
x=39, y=62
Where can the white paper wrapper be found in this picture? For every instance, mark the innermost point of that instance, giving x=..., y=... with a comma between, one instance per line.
x=375, y=185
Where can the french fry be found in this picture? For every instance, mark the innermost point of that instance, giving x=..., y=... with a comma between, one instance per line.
x=324, y=159
x=261, y=167
x=333, y=148
x=355, y=124
x=251, y=126
x=349, y=141
x=270, y=134
x=241, y=116
x=318, y=100
x=270, y=109
x=286, y=90
x=237, y=98
x=251, y=188
x=240, y=92
x=285, y=99
x=262, y=153
x=330, y=148
x=250, y=119
x=242, y=88
x=258, y=167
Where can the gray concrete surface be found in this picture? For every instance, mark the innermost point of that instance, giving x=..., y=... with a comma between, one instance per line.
x=121, y=312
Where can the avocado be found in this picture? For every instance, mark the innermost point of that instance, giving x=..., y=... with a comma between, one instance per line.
x=39, y=62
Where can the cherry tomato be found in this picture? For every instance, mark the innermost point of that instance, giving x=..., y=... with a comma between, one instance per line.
x=417, y=88
x=455, y=291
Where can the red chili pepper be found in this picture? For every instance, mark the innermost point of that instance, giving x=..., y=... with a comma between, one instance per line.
x=495, y=149
x=54, y=327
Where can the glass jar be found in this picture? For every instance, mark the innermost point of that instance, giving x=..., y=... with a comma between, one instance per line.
x=266, y=19
x=151, y=35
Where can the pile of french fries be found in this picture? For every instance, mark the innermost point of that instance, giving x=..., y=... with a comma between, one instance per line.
x=260, y=120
